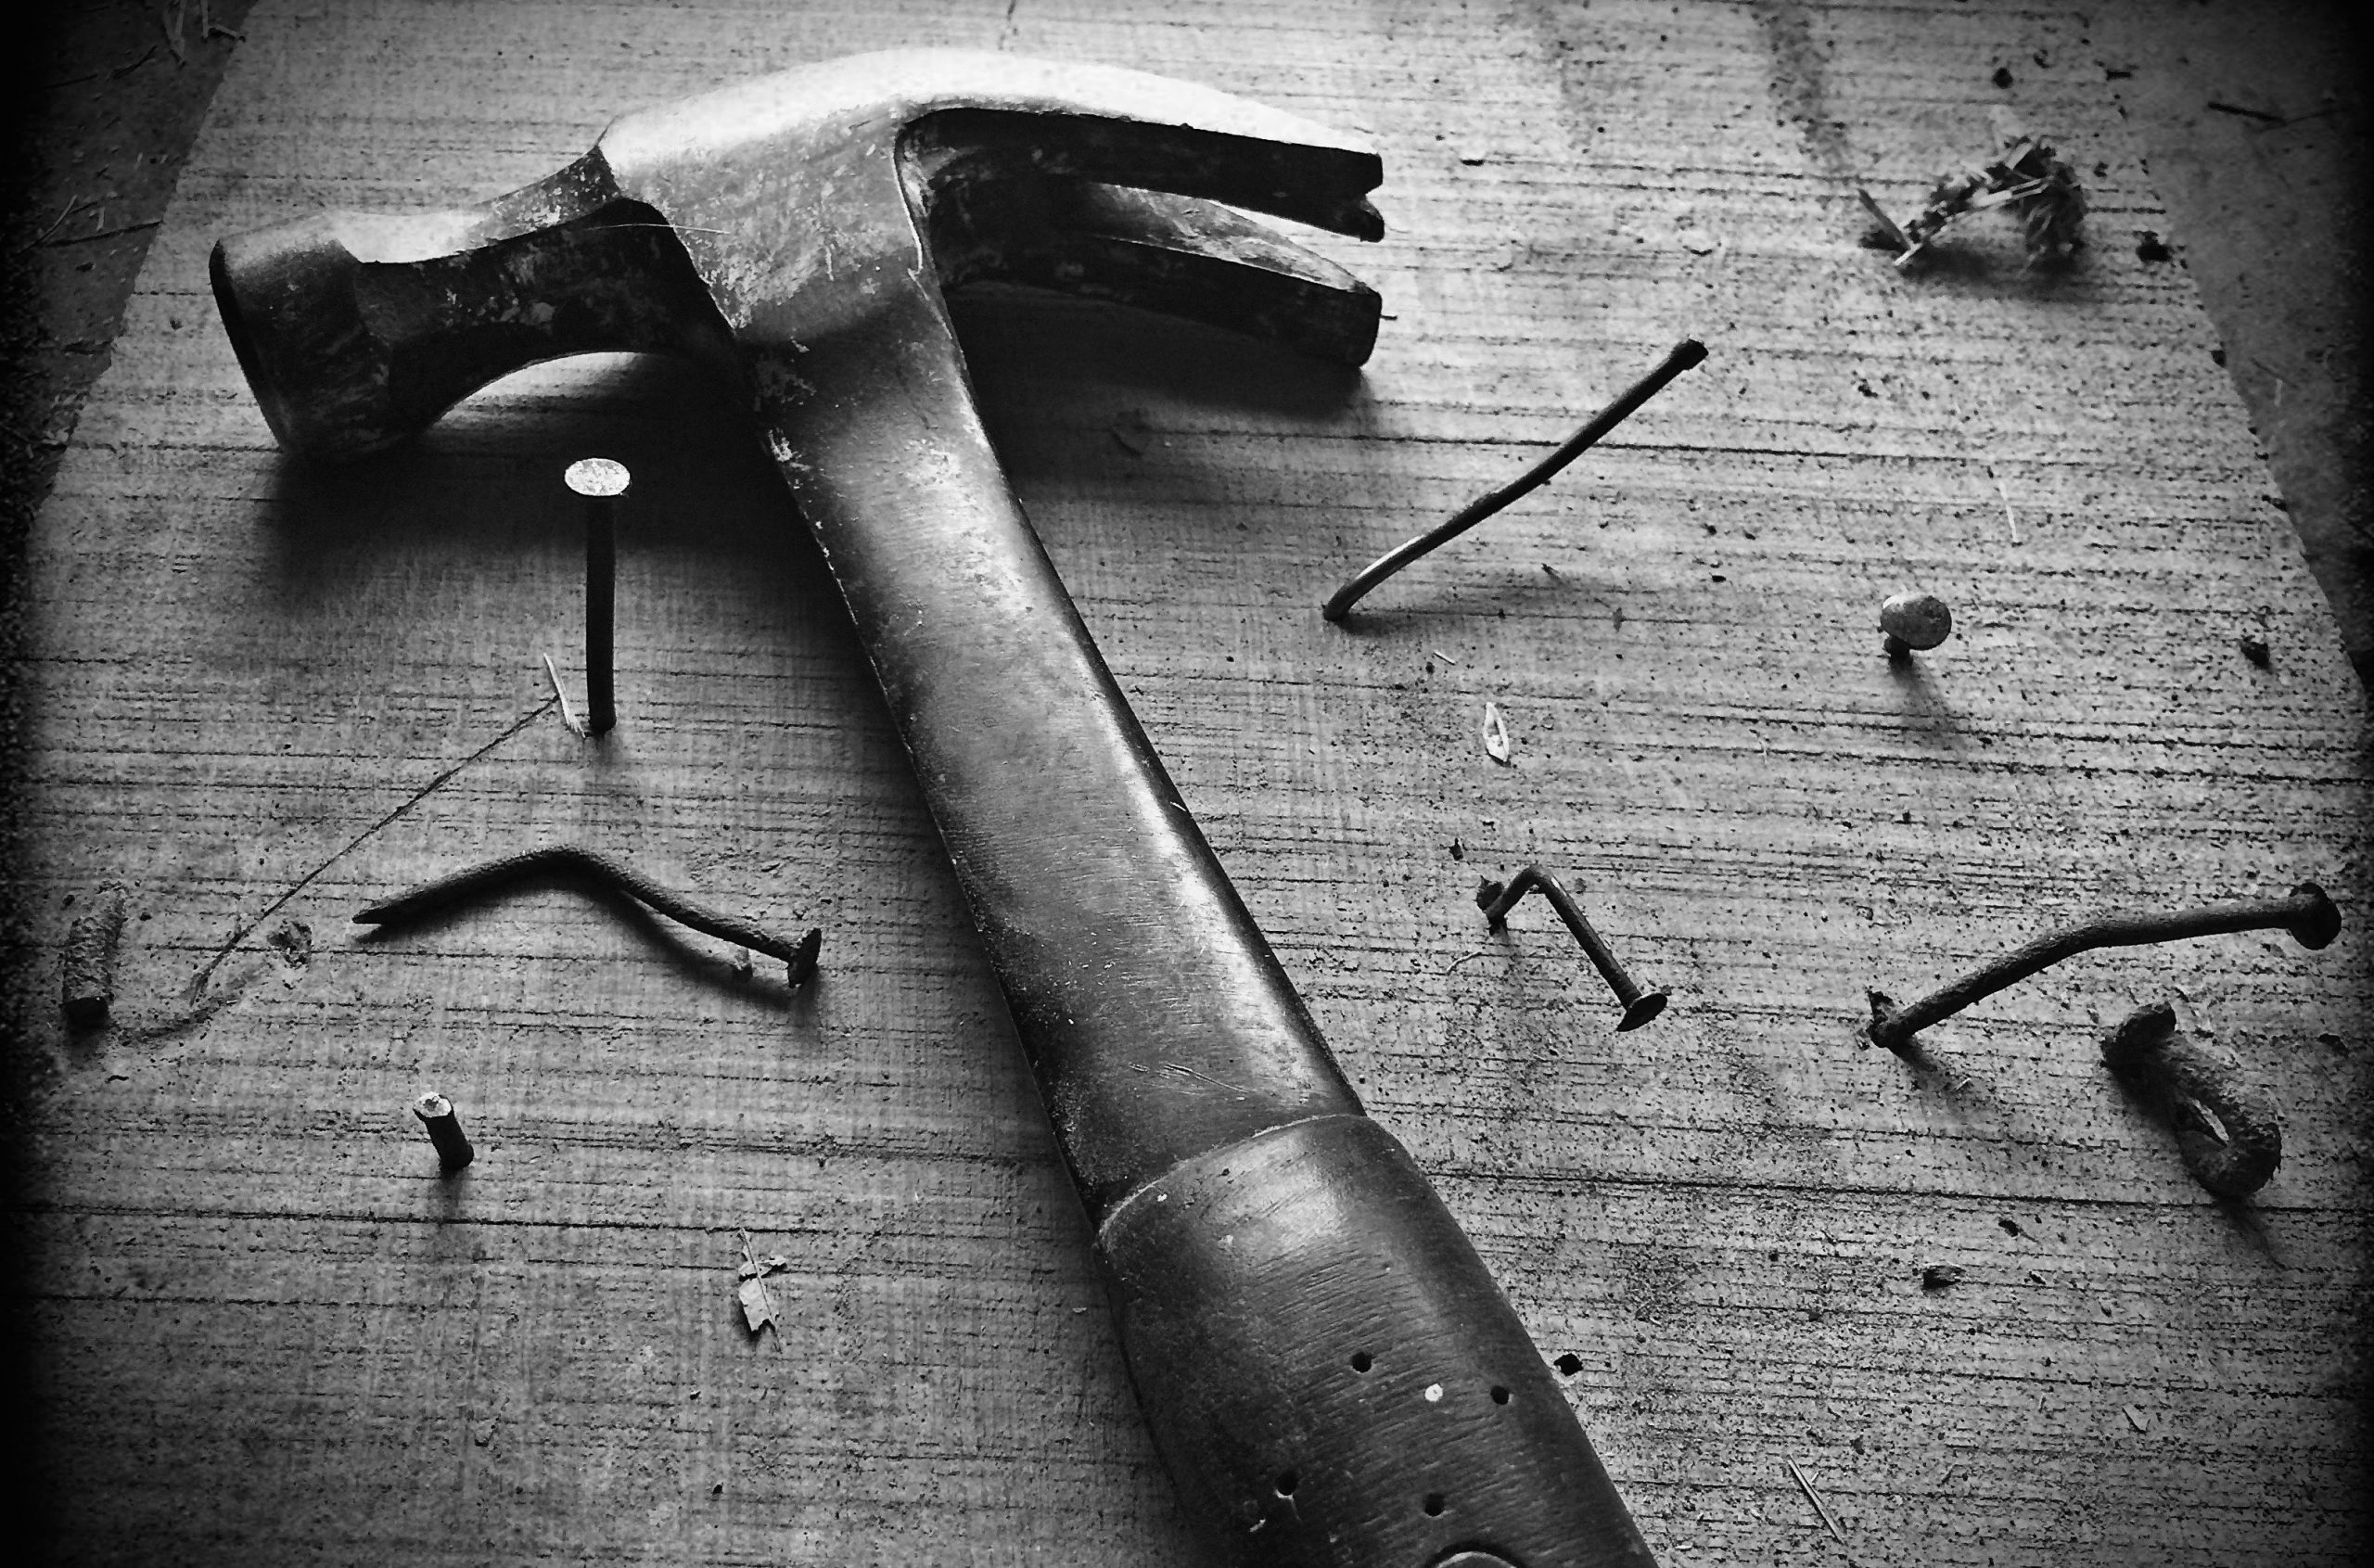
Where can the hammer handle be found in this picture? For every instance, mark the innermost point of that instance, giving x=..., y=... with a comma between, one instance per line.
x=1157, y=1021
x=1327, y=1365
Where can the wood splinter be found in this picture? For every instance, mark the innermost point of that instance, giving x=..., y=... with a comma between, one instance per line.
x=799, y=957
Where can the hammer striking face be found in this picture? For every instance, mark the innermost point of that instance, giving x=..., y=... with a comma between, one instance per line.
x=1328, y=1368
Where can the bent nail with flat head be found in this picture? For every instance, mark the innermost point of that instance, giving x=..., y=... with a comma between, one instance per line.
x=2307, y=913
x=1498, y=899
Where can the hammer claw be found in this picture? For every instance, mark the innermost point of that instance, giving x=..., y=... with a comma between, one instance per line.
x=1173, y=254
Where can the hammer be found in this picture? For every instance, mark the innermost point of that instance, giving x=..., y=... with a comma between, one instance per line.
x=1328, y=1368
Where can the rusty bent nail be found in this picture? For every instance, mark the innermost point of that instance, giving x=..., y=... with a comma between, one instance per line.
x=797, y=235
x=607, y=871
x=1498, y=899
x=601, y=482
x=435, y=1114
x=1684, y=354
x=2307, y=913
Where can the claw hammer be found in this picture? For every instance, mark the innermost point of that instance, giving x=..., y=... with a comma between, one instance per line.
x=1328, y=1368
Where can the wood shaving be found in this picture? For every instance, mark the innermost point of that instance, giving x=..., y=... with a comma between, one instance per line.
x=1496, y=736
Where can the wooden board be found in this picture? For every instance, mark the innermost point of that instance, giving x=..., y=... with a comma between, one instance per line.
x=269, y=1331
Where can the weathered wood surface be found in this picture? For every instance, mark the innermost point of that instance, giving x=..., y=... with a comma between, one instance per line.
x=270, y=1333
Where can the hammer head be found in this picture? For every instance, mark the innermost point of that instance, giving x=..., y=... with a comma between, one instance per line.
x=779, y=212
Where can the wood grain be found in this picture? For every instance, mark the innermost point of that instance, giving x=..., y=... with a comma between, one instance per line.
x=270, y=1333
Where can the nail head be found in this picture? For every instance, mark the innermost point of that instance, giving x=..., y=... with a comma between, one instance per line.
x=599, y=477
x=1640, y=1009
x=2319, y=923
x=1918, y=620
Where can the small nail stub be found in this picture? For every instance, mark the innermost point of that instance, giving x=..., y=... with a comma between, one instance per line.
x=2307, y=914
x=435, y=1114
x=601, y=480
x=1497, y=898
x=1914, y=621
x=2229, y=1135
x=86, y=963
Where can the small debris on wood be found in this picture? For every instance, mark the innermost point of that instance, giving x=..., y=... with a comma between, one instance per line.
x=1496, y=736
x=293, y=940
x=482, y=1431
x=2150, y=247
x=2028, y=179
x=1940, y=1276
x=1821, y=1510
x=1130, y=432
x=1458, y=850
x=2255, y=650
x=2135, y=1419
x=2263, y=117
x=758, y=1308
x=86, y=965
x=567, y=714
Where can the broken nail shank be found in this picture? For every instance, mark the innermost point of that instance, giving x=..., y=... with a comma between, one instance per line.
x=2235, y=1148
x=1684, y=354
x=435, y=1114
x=2307, y=914
x=1498, y=899
x=601, y=482
x=1261, y=1239
x=86, y=962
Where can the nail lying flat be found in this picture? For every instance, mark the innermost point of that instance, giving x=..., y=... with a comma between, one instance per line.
x=2307, y=913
